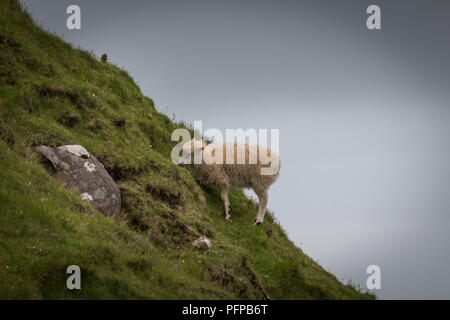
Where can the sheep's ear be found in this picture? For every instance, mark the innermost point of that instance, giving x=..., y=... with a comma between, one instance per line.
x=204, y=144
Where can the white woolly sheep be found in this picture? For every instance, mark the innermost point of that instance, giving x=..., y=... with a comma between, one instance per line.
x=233, y=165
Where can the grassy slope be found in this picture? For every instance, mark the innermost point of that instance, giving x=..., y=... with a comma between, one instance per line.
x=47, y=97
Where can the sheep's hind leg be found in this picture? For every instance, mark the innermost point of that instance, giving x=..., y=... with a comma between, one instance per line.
x=226, y=201
x=263, y=197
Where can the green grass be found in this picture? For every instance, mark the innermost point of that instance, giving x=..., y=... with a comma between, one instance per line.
x=53, y=94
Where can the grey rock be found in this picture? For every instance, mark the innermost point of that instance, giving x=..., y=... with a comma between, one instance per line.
x=77, y=169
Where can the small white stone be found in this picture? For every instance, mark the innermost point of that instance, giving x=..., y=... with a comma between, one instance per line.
x=202, y=242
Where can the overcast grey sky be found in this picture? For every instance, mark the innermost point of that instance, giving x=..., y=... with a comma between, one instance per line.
x=364, y=116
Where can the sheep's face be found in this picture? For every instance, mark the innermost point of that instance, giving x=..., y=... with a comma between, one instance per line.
x=191, y=148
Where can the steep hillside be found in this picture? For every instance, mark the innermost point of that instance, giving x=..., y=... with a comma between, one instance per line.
x=53, y=94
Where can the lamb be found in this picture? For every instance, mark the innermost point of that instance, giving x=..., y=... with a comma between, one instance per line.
x=212, y=164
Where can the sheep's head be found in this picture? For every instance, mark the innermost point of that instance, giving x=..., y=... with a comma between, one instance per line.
x=191, y=148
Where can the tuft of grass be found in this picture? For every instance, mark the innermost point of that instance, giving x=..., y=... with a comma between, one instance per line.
x=54, y=94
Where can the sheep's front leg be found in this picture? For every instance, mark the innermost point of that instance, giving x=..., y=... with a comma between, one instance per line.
x=226, y=201
x=263, y=197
